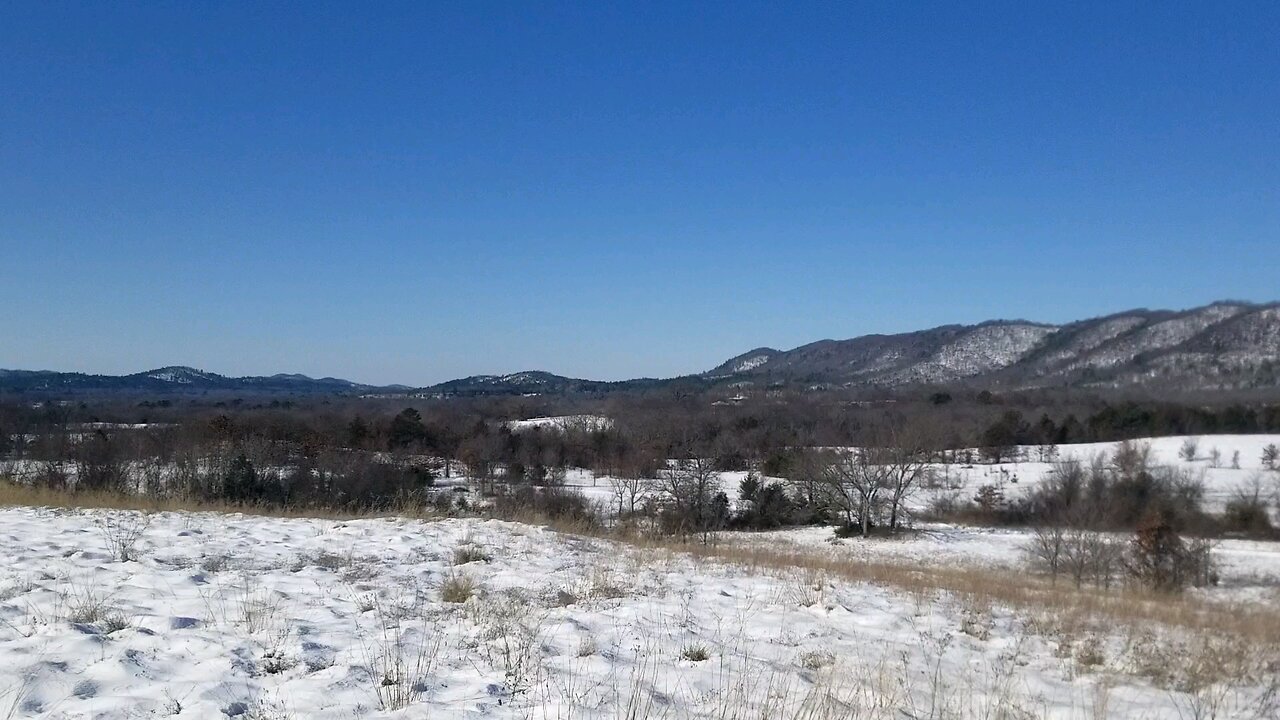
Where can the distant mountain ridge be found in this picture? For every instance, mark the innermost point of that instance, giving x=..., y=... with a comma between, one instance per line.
x=1224, y=345
x=174, y=379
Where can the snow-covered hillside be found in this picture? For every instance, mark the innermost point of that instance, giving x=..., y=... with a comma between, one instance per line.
x=1238, y=463
x=563, y=422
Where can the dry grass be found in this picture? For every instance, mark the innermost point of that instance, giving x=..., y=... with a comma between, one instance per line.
x=122, y=533
x=13, y=494
x=457, y=588
x=695, y=653
x=469, y=553
x=400, y=657
x=983, y=587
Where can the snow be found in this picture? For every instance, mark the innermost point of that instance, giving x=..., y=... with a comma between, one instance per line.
x=563, y=422
x=179, y=375
x=1161, y=335
x=239, y=616
x=750, y=363
x=170, y=376
x=1018, y=478
x=1221, y=482
x=983, y=349
x=1249, y=569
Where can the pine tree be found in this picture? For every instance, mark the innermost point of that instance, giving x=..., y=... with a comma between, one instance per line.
x=1270, y=456
x=242, y=483
x=406, y=429
x=358, y=432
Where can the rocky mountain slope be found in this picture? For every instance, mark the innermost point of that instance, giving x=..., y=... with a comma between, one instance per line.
x=1219, y=346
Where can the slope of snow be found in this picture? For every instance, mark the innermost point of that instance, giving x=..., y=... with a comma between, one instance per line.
x=750, y=363
x=1250, y=569
x=1158, y=336
x=233, y=616
x=1091, y=339
x=985, y=348
x=1220, y=479
x=562, y=422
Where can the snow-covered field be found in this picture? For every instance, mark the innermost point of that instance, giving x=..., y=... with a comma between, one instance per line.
x=235, y=616
x=1249, y=570
x=1220, y=478
x=1015, y=479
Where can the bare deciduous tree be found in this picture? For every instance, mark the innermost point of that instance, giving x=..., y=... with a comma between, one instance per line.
x=857, y=483
x=687, y=491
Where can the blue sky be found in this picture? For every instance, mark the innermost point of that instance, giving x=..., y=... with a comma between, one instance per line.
x=409, y=192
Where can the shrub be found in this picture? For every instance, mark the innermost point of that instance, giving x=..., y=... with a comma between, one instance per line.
x=695, y=653
x=1246, y=511
x=469, y=553
x=1270, y=456
x=457, y=588
x=554, y=504
x=1159, y=559
x=1189, y=448
x=122, y=533
x=815, y=660
x=765, y=506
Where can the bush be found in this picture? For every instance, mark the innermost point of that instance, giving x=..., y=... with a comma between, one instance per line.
x=1270, y=456
x=241, y=483
x=1246, y=511
x=1116, y=493
x=1159, y=559
x=464, y=554
x=457, y=588
x=695, y=653
x=765, y=506
x=552, y=504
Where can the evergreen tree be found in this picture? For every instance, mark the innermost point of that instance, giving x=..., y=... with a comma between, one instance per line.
x=358, y=432
x=406, y=429
x=1270, y=456
x=242, y=483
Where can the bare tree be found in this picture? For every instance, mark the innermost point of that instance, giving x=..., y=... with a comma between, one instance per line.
x=1047, y=548
x=1091, y=556
x=857, y=483
x=807, y=478
x=905, y=466
x=688, y=493
x=628, y=488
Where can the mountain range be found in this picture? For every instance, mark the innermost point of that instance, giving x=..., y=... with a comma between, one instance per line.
x=1225, y=345
x=175, y=380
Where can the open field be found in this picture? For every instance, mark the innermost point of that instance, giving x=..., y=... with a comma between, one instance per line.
x=961, y=479
x=113, y=614
x=131, y=605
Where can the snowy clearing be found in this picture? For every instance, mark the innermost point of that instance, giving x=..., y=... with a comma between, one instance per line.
x=1015, y=479
x=236, y=616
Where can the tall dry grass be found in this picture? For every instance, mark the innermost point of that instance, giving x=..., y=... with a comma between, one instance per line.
x=14, y=494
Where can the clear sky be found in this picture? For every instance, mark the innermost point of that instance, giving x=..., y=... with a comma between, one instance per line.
x=410, y=192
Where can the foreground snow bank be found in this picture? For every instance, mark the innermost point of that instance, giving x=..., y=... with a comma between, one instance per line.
x=109, y=615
